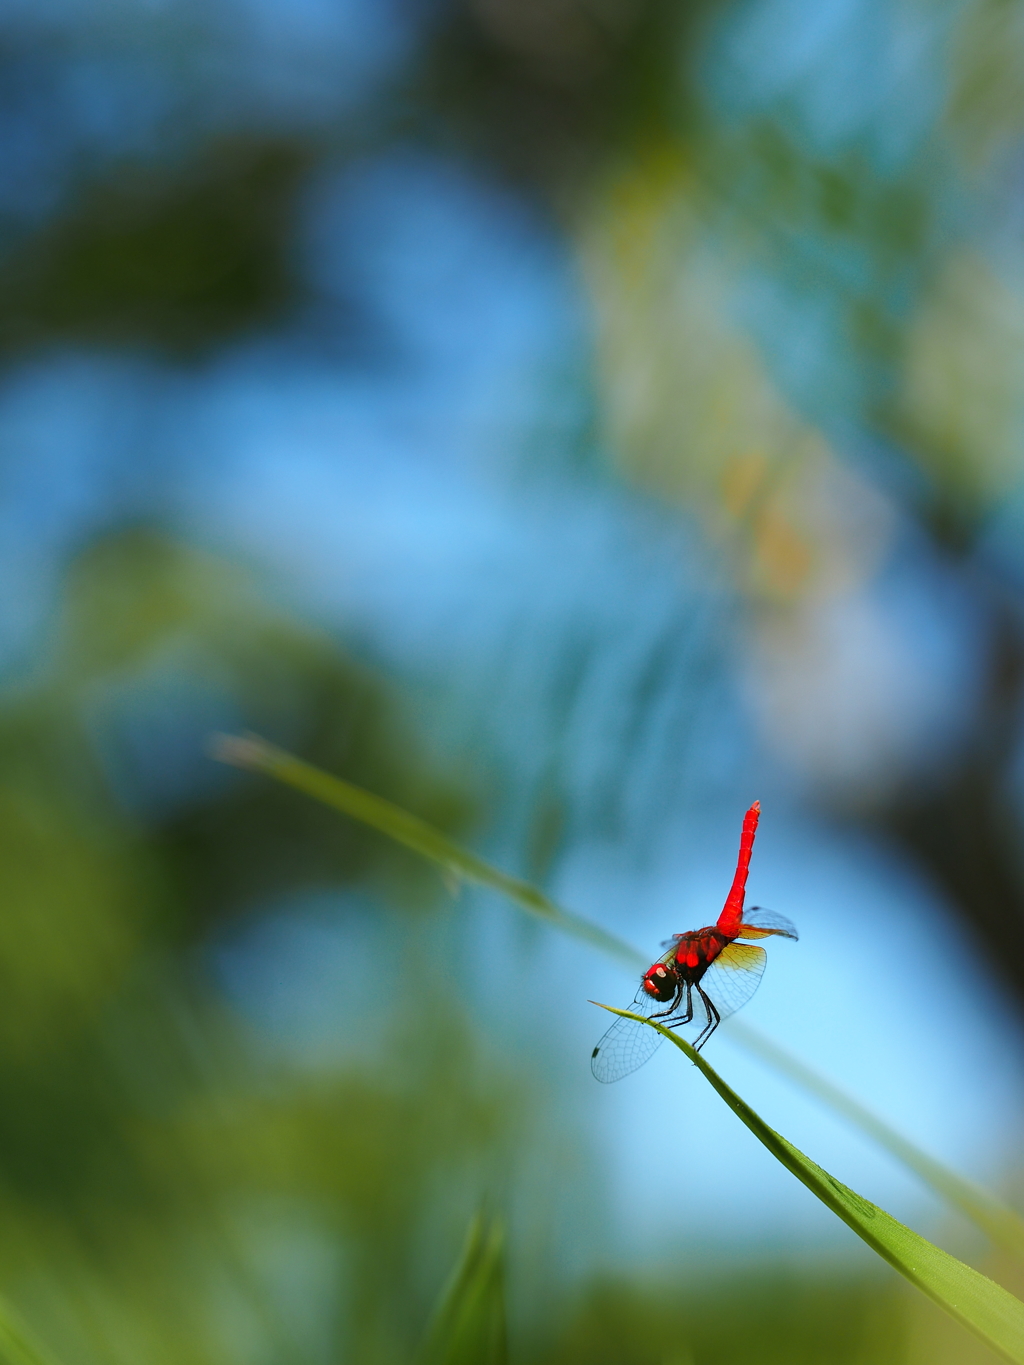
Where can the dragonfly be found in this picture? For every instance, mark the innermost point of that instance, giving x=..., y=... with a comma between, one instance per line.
x=705, y=975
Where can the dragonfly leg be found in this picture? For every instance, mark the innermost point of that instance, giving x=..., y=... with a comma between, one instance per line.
x=714, y=1019
x=670, y=1009
x=670, y=1015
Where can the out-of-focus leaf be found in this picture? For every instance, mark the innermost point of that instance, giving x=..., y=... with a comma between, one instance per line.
x=990, y=1311
x=468, y=1326
x=17, y=1345
x=1000, y=1223
x=256, y=754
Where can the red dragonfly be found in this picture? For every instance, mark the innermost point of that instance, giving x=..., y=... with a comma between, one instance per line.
x=705, y=975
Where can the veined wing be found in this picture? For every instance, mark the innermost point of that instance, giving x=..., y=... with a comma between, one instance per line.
x=627, y=1043
x=733, y=977
x=761, y=923
x=729, y=982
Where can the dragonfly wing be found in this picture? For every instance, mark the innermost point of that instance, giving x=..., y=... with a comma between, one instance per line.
x=761, y=923
x=729, y=982
x=734, y=976
x=627, y=1044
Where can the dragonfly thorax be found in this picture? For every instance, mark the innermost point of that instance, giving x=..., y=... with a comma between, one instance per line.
x=695, y=952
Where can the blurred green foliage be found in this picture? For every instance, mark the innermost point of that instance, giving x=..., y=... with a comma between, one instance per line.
x=171, y=1188
x=468, y=1326
x=752, y=1317
x=147, y=1151
x=177, y=257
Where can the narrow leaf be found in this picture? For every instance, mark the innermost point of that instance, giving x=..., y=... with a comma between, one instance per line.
x=256, y=754
x=1004, y=1227
x=468, y=1325
x=972, y=1298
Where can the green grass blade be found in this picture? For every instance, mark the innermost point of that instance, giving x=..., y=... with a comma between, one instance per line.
x=1004, y=1227
x=986, y=1308
x=468, y=1325
x=257, y=755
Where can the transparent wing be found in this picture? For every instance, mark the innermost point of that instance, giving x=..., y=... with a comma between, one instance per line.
x=761, y=923
x=733, y=977
x=729, y=983
x=628, y=1043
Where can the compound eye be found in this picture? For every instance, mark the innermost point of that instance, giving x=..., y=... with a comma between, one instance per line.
x=659, y=982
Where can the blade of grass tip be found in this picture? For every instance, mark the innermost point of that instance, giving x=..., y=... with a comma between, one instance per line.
x=255, y=754
x=990, y=1311
x=1003, y=1226
x=468, y=1325
x=258, y=755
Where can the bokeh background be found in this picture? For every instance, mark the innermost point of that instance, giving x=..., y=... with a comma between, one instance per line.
x=571, y=419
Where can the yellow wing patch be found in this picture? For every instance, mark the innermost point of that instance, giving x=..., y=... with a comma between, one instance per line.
x=741, y=957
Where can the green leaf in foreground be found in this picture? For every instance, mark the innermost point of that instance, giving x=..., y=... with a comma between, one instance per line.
x=975, y=1300
x=468, y=1325
x=1003, y=1226
x=1000, y=1223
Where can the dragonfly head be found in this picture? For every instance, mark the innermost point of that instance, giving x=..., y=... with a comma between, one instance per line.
x=660, y=981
